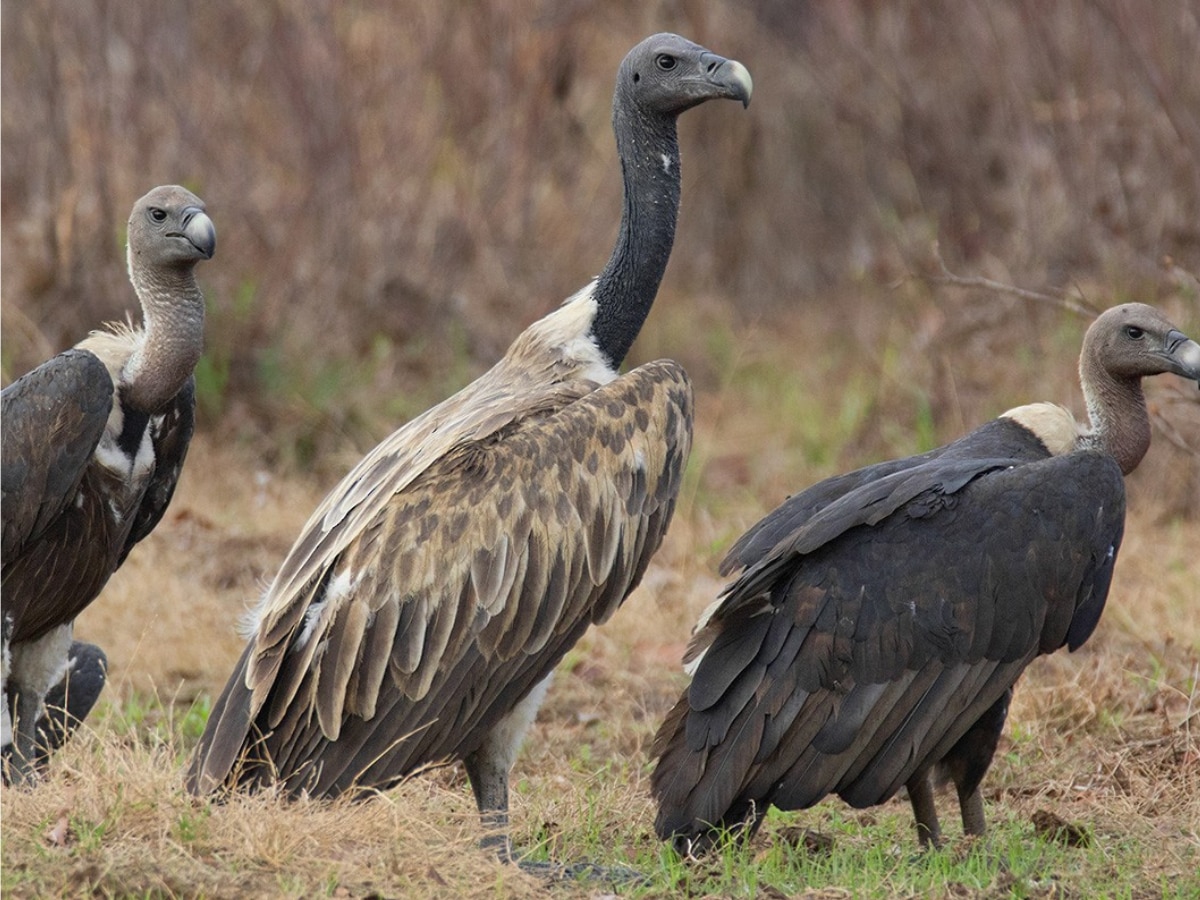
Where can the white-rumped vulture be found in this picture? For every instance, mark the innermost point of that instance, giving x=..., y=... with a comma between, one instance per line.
x=419, y=615
x=93, y=441
x=881, y=618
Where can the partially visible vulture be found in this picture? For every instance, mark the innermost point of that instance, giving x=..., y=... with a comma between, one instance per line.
x=93, y=441
x=420, y=613
x=881, y=617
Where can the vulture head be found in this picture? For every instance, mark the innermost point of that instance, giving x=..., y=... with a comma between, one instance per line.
x=666, y=74
x=168, y=228
x=1135, y=341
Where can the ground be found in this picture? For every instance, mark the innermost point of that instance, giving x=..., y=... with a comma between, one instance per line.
x=1095, y=790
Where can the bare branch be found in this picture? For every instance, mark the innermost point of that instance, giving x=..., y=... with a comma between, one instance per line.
x=945, y=276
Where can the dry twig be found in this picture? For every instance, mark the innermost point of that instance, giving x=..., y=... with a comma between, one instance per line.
x=945, y=276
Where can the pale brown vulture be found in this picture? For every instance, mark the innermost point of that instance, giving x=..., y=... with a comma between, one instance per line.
x=420, y=613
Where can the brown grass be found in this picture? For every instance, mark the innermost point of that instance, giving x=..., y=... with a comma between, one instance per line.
x=1101, y=737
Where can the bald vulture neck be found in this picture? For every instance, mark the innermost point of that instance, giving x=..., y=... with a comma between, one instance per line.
x=1120, y=425
x=625, y=290
x=172, y=340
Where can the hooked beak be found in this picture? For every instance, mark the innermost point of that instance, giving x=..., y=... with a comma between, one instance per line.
x=731, y=78
x=199, y=231
x=1183, y=355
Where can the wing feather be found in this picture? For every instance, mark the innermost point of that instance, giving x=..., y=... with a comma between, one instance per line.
x=338, y=661
x=53, y=419
x=377, y=651
x=542, y=526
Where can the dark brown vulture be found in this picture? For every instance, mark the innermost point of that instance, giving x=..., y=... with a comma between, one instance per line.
x=93, y=441
x=882, y=617
x=421, y=611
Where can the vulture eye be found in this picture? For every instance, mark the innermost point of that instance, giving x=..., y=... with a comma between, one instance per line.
x=158, y=215
x=1134, y=333
x=666, y=61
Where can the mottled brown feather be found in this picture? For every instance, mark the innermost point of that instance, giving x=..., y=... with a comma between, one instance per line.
x=505, y=591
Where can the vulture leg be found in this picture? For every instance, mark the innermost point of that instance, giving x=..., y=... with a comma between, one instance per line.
x=72, y=698
x=920, y=793
x=489, y=764
x=488, y=769
x=35, y=666
x=972, y=812
x=489, y=782
x=969, y=759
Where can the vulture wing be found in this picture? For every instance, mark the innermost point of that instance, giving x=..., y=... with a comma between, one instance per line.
x=875, y=634
x=1000, y=438
x=458, y=595
x=760, y=539
x=53, y=419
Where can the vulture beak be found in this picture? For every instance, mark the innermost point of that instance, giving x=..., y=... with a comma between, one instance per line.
x=1183, y=355
x=730, y=77
x=199, y=231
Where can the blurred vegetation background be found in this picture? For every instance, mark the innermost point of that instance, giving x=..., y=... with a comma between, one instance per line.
x=399, y=188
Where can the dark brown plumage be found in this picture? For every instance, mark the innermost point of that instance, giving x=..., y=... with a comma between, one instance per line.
x=881, y=618
x=419, y=614
x=93, y=442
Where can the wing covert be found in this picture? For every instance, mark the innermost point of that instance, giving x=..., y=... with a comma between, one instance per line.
x=493, y=559
x=53, y=419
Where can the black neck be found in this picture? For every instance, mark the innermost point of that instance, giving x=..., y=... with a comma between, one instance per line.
x=627, y=286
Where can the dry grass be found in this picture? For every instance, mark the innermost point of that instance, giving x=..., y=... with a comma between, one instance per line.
x=1106, y=737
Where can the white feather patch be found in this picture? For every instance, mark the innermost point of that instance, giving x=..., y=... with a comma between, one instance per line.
x=568, y=329
x=1053, y=425
x=340, y=588
x=311, y=617
x=38, y=664
x=504, y=740
x=6, y=735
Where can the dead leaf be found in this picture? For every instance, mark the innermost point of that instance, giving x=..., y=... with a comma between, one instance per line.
x=59, y=834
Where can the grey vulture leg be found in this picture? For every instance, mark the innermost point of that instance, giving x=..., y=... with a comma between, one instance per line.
x=489, y=782
x=972, y=812
x=489, y=765
x=488, y=768
x=920, y=793
x=969, y=759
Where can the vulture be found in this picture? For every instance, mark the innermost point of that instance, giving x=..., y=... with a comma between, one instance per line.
x=880, y=619
x=93, y=442
x=418, y=617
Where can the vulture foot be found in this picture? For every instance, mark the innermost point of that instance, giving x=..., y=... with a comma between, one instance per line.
x=66, y=705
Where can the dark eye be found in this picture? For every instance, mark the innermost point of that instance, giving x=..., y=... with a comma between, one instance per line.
x=665, y=61
x=158, y=215
x=1134, y=333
